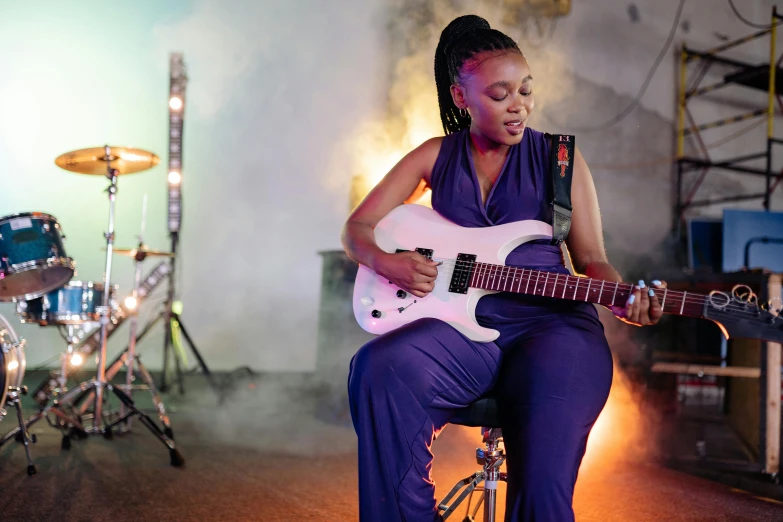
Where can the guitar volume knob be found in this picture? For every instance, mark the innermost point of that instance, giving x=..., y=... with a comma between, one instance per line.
x=402, y=294
x=376, y=314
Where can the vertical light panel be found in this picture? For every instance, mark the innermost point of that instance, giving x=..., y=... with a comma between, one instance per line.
x=178, y=81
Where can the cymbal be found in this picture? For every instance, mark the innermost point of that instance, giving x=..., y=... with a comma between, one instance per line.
x=94, y=160
x=131, y=252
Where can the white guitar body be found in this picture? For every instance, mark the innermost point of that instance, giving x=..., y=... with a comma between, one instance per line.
x=409, y=227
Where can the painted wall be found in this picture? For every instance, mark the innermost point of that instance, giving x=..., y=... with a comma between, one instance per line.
x=286, y=102
x=273, y=86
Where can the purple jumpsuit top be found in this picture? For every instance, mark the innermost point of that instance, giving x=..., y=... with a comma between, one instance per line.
x=522, y=191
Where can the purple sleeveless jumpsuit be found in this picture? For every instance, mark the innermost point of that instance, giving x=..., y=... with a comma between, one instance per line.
x=551, y=367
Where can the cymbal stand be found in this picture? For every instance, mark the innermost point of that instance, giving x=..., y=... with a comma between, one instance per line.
x=130, y=357
x=99, y=383
x=116, y=366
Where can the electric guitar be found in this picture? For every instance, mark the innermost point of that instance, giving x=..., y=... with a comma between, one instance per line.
x=473, y=266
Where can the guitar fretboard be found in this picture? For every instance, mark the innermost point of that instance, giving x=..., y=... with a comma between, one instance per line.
x=574, y=288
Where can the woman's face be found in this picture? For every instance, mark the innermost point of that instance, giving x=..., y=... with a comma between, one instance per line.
x=497, y=90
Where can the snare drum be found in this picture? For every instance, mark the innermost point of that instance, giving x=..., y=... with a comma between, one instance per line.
x=12, y=361
x=32, y=256
x=75, y=303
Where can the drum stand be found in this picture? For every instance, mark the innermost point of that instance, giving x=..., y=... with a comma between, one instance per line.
x=21, y=433
x=129, y=358
x=15, y=400
x=99, y=383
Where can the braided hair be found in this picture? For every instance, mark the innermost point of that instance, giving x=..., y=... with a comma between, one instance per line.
x=465, y=37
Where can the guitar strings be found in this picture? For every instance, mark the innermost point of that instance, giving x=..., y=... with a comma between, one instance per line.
x=519, y=276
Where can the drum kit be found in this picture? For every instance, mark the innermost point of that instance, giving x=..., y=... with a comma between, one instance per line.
x=36, y=273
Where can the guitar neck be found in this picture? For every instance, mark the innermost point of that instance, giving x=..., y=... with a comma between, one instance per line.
x=574, y=288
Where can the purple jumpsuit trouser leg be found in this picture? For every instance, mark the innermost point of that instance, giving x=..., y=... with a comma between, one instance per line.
x=405, y=385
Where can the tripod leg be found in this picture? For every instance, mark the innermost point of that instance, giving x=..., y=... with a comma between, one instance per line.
x=54, y=408
x=176, y=457
x=25, y=437
x=204, y=368
x=68, y=420
x=178, y=369
x=164, y=376
x=156, y=400
x=88, y=397
x=18, y=431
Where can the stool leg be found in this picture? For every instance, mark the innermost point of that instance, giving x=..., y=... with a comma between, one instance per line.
x=491, y=503
x=469, y=483
x=475, y=509
x=494, y=458
x=491, y=483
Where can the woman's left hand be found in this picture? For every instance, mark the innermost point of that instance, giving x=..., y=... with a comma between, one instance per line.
x=642, y=307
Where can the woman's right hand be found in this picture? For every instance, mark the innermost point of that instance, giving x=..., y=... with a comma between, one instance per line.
x=410, y=271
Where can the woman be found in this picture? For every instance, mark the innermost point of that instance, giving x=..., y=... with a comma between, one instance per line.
x=551, y=367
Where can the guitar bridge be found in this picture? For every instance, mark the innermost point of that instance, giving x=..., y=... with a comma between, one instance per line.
x=463, y=270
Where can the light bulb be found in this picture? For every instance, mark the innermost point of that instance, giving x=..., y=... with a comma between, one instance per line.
x=77, y=359
x=131, y=302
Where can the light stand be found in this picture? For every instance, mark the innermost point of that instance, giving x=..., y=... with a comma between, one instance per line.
x=178, y=81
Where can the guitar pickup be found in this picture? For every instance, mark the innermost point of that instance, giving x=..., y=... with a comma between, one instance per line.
x=463, y=270
x=426, y=252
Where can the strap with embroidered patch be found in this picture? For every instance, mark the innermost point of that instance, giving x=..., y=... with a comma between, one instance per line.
x=562, y=149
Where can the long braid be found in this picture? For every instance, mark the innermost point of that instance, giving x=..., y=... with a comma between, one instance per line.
x=465, y=37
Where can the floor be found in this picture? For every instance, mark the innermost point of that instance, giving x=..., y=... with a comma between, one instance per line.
x=275, y=451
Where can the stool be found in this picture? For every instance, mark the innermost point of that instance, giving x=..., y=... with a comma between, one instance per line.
x=484, y=414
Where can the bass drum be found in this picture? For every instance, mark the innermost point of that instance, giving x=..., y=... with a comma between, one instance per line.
x=12, y=361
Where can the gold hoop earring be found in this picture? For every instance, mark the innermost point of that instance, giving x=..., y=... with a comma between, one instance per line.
x=463, y=113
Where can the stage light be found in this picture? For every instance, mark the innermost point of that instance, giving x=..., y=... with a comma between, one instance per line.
x=178, y=80
x=131, y=302
x=13, y=365
x=77, y=359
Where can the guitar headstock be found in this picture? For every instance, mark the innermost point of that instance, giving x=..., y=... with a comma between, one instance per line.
x=741, y=315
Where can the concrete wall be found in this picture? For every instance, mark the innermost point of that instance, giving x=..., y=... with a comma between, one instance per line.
x=587, y=69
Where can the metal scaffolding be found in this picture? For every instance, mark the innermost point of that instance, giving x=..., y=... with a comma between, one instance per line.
x=767, y=77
